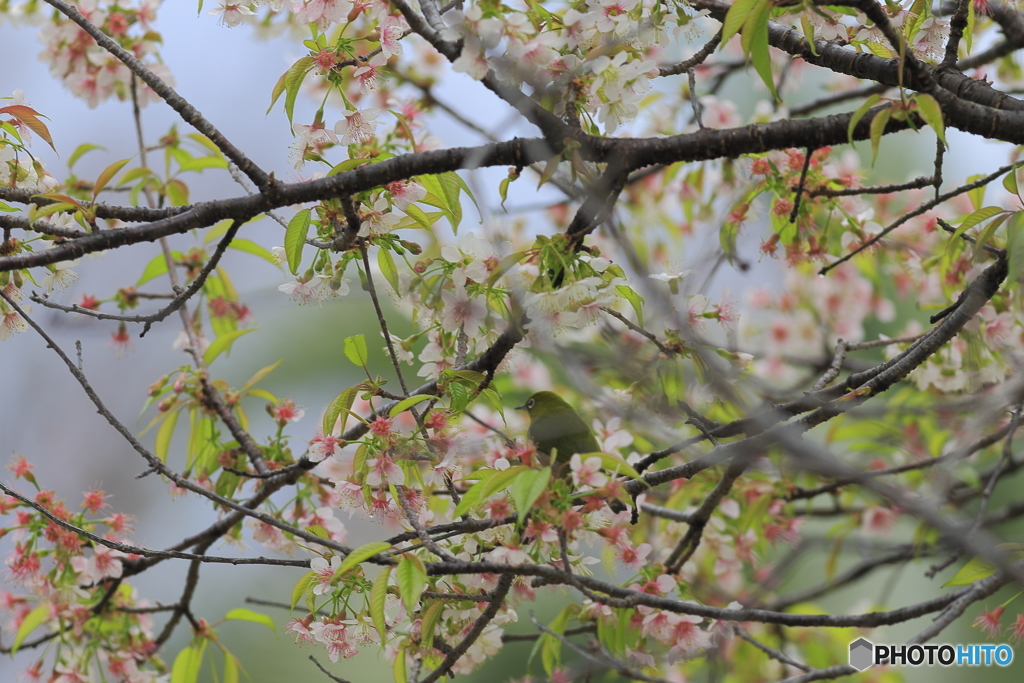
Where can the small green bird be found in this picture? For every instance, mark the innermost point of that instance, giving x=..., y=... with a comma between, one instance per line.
x=556, y=426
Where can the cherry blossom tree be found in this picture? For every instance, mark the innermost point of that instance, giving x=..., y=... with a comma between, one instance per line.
x=871, y=386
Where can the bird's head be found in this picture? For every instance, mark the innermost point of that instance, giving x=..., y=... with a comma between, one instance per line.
x=544, y=403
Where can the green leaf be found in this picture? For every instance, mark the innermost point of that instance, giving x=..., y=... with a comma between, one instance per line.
x=735, y=18
x=985, y=236
x=419, y=217
x=263, y=393
x=808, y=29
x=551, y=648
x=187, y=665
x=162, y=443
x=295, y=239
x=107, y=175
x=363, y=552
x=339, y=407
x=407, y=403
x=348, y=165
x=503, y=190
x=977, y=568
x=931, y=112
x=443, y=192
x=527, y=488
x=355, y=350
x=456, y=178
x=81, y=151
x=755, y=42
x=231, y=667
x=549, y=169
x=411, y=577
x=969, y=30
x=290, y=83
x=250, y=247
x=877, y=128
x=1015, y=245
x=134, y=174
x=977, y=194
x=301, y=586
x=1010, y=181
x=378, y=596
x=430, y=618
x=973, y=219
x=879, y=50
x=30, y=623
x=317, y=530
x=485, y=488
x=199, y=164
x=223, y=343
x=494, y=399
x=177, y=192
x=258, y=376
x=635, y=300
x=386, y=263
x=727, y=238
x=242, y=614
x=156, y=267
x=398, y=667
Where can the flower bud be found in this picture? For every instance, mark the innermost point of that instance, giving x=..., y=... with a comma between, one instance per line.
x=413, y=248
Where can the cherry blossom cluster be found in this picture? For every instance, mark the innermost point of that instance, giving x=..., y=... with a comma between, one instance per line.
x=63, y=578
x=89, y=71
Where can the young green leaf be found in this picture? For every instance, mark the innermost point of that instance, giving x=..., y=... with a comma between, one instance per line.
x=231, y=667
x=973, y=219
x=363, y=552
x=977, y=568
x=735, y=18
x=81, y=151
x=223, y=343
x=1015, y=246
x=407, y=403
x=485, y=488
x=356, y=351
x=755, y=42
x=339, y=408
x=411, y=577
x=301, y=587
x=931, y=112
x=187, y=664
x=295, y=239
x=386, y=263
x=431, y=616
x=378, y=596
x=877, y=129
x=635, y=300
x=30, y=623
x=398, y=667
x=551, y=649
x=242, y=614
x=162, y=443
x=527, y=488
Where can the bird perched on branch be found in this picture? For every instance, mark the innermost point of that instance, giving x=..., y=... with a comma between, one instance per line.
x=556, y=427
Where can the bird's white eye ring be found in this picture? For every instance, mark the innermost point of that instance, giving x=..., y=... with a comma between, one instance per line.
x=529, y=404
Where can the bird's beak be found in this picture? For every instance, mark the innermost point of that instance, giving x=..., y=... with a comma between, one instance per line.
x=522, y=407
